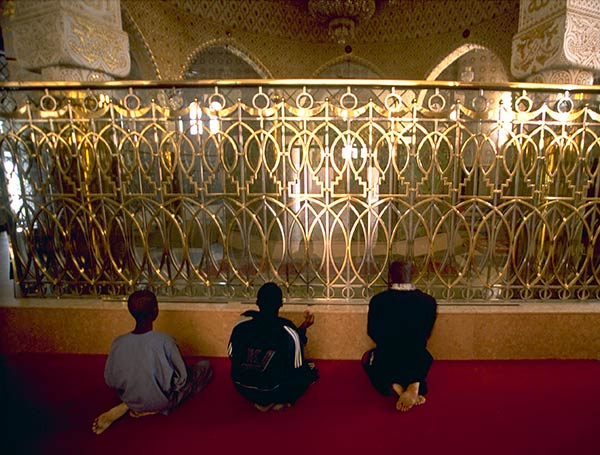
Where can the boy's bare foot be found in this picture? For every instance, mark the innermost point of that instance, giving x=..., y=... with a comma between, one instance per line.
x=280, y=406
x=137, y=414
x=409, y=398
x=264, y=408
x=398, y=389
x=106, y=419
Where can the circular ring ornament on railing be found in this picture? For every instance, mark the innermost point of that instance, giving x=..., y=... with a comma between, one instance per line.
x=488, y=293
x=546, y=294
x=526, y=294
x=448, y=293
x=564, y=294
x=393, y=102
x=90, y=102
x=565, y=104
x=132, y=102
x=365, y=293
x=249, y=291
x=214, y=99
x=48, y=103
x=583, y=294
x=305, y=100
x=480, y=103
x=348, y=293
x=261, y=96
x=436, y=102
x=229, y=291
x=350, y=95
x=523, y=103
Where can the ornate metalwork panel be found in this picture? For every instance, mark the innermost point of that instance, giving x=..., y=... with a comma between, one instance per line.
x=209, y=191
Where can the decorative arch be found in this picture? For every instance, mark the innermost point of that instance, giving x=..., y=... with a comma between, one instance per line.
x=371, y=71
x=458, y=54
x=234, y=49
x=141, y=55
x=451, y=58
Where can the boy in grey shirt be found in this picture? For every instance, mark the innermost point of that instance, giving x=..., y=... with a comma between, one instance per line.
x=146, y=368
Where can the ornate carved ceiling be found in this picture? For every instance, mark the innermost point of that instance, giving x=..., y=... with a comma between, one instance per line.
x=376, y=20
x=402, y=39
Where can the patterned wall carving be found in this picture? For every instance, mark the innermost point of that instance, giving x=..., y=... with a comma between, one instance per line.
x=64, y=73
x=534, y=11
x=582, y=41
x=564, y=76
x=556, y=35
x=535, y=48
x=74, y=35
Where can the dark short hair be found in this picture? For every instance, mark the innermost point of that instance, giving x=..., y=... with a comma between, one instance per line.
x=269, y=298
x=142, y=304
x=400, y=271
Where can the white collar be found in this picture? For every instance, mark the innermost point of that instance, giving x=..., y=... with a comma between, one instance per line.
x=403, y=287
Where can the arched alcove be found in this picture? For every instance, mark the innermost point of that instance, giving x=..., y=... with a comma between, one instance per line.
x=347, y=68
x=468, y=63
x=223, y=61
x=143, y=63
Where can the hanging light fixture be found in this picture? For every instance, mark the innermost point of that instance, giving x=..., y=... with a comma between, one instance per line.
x=341, y=16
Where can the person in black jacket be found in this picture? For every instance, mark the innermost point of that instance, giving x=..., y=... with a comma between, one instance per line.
x=267, y=354
x=400, y=322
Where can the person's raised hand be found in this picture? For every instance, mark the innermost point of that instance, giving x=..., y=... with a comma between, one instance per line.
x=309, y=319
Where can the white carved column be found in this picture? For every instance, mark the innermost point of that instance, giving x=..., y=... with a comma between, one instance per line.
x=558, y=41
x=77, y=40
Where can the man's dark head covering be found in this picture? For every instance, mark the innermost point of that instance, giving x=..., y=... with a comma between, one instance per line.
x=400, y=272
x=269, y=298
x=143, y=305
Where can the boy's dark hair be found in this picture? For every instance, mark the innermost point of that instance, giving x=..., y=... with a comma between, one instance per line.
x=269, y=298
x=142, y=305
x=400, y=271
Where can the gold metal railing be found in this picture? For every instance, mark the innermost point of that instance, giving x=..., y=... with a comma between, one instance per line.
x=209, y=189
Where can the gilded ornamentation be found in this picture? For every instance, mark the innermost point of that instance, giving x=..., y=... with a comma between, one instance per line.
x=88, y=44
x=536, y=5
x=316, y=187
x=533, y=49
x=564, y=76
x=582, y=41
x=62, y=73
x=72, y=36
x=556, y=35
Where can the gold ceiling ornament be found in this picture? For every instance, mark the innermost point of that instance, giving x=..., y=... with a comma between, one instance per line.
x=341, y=16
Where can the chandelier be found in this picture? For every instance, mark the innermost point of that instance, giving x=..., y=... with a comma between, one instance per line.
x=341, y=16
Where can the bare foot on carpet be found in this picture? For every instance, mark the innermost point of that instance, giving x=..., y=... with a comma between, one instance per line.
x=280, y=406
x=264, y=408
x=398, y=389
x=106, y=419
x=409, y=398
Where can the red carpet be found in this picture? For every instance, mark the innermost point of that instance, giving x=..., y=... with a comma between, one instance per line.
x=474, y=407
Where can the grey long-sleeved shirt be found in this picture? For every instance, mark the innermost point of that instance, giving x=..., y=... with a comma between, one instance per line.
x=145, y=369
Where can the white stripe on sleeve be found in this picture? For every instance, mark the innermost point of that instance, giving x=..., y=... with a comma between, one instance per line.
x=297, y=346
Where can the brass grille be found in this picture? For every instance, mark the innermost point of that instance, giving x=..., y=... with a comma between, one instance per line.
x=205, y=189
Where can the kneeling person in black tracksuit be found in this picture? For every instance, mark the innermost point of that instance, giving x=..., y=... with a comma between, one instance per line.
x=267, y=356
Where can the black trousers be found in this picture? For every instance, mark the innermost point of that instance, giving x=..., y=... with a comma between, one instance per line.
x=383, y=372
x=287, y=391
